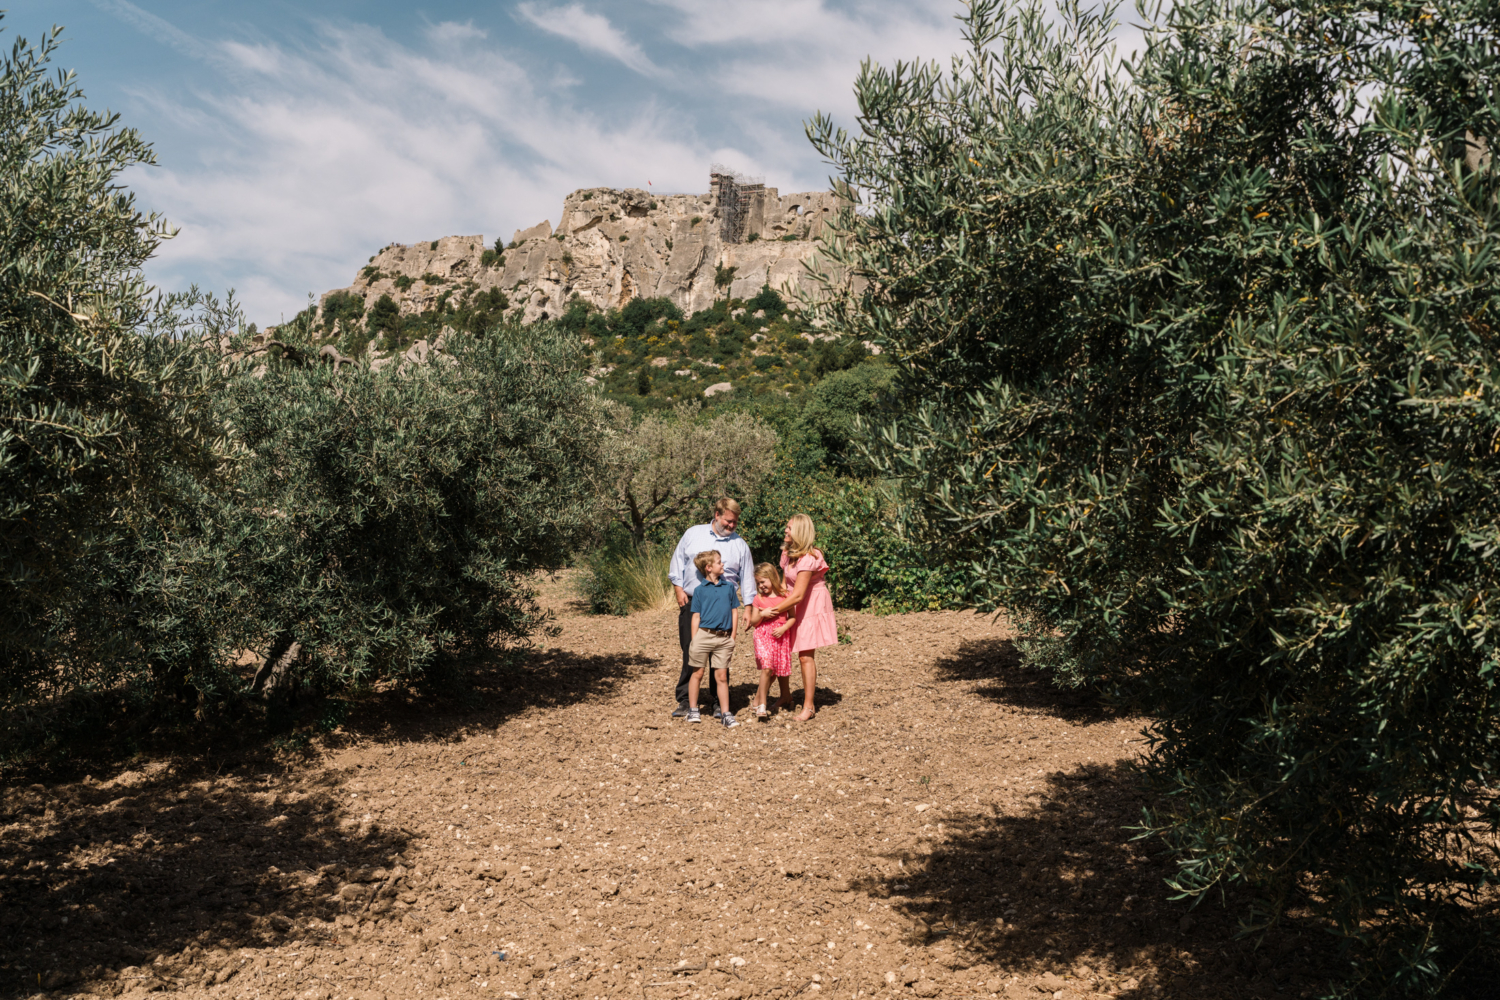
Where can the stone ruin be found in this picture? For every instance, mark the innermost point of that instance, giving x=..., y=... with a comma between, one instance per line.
x=611, y=246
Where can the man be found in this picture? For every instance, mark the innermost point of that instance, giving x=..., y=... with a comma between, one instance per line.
x=739, y=572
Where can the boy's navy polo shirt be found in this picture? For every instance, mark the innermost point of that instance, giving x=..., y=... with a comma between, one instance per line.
x=714, y=604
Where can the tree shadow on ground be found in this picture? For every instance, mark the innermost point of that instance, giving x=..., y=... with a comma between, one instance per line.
x=220, y=845
x=113, y=874
x=998, y=672
x=1063, y=887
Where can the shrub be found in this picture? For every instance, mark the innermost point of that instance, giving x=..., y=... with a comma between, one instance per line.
x=624, y=577
x=1201, y=384
x=492, y=259
x=346, y=308
x=871, y=564
x=768, y=300
x=405, y=281
x=385, y=317
x=668, y=465
x=433, y=279
x=834, y=405
x=385, y=524
x=723, y=276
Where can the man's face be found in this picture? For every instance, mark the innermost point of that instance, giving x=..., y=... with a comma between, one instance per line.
x=726, y=522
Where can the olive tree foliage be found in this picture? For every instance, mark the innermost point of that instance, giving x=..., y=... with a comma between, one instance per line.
x=105, y=411
x=668, y=465
x=1199, y=363
x=165, y=509
x=385, y=524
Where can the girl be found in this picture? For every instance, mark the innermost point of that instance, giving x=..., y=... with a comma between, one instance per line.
x=805, y=570
x=773, y=640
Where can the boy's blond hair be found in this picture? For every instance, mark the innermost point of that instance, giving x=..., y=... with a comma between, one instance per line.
x=705, y=559
x=769, y=571
x=803, y=535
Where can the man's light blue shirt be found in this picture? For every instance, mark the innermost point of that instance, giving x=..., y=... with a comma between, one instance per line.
x=739, y=566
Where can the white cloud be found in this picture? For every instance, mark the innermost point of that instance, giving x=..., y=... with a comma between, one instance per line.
x=454, y=33
x=592, y=32
x=314, y=159
x=293, y=161
x=155, y=27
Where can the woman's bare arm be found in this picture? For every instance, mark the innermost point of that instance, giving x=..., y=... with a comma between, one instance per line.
x=794, y=598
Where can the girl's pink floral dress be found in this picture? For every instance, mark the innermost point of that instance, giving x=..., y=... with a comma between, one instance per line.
x=771, y=653
x=816, y=625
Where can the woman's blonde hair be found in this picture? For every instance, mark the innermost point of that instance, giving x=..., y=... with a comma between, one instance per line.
x=770, y=571
x=803, y=535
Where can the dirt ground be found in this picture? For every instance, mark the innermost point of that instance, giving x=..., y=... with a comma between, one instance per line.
x=948, y=826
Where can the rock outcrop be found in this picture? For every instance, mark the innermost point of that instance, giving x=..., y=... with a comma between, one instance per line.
x=612, y=246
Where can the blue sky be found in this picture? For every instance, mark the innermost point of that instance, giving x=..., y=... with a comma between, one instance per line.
x=294, y=140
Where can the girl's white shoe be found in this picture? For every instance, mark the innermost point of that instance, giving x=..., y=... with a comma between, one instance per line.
x=761, y=712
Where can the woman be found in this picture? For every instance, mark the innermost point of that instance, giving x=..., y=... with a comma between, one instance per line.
x=804, y=568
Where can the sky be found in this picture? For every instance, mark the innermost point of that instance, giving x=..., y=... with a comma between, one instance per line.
x=295, y=140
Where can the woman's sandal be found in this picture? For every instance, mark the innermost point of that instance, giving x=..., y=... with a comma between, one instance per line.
x=761, y=712
x=804, y=716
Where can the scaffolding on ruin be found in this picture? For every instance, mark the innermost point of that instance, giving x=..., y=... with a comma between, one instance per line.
x=733, y=192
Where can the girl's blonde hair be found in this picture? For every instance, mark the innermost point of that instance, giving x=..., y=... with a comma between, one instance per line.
x=770, y=571
x=803, y=535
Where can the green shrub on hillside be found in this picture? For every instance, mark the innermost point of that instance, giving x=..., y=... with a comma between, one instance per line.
x=1200, y=369
x=826, y=427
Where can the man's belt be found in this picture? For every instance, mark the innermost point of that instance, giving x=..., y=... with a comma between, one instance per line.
x=722, y=633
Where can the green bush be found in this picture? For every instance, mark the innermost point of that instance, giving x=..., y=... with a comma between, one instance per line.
x=390, y=520
x=1199, y=370
x=385, y=317
x=872, y=564
x=623, y=577
x=404, y=282
x=833, y=407
x=341, y=307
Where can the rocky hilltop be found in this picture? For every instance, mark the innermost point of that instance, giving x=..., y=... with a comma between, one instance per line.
x=611, y=246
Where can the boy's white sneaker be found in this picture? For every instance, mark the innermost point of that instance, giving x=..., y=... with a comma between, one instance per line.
x=729, y=720
x=693, y=715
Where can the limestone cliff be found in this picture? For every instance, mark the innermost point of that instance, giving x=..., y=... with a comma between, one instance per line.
x=612, y=246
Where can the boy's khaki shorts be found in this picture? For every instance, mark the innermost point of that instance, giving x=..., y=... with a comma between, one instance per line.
x=711, y=652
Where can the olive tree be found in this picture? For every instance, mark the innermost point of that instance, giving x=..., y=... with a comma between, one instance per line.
x=1199, y=364
x=669, y=464
x=106, y=395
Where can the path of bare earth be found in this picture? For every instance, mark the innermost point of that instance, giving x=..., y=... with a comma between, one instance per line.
x=948, y=826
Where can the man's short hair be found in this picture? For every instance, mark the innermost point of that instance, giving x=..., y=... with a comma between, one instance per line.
x=726, y=503
x=706, y=558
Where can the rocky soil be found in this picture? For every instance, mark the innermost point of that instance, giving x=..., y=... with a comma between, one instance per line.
x=949, y=826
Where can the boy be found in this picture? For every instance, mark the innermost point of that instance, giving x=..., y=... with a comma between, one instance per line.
x=714, y=628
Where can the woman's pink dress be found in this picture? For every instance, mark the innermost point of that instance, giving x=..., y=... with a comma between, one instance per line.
x=772, y=653
x=816, y=625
